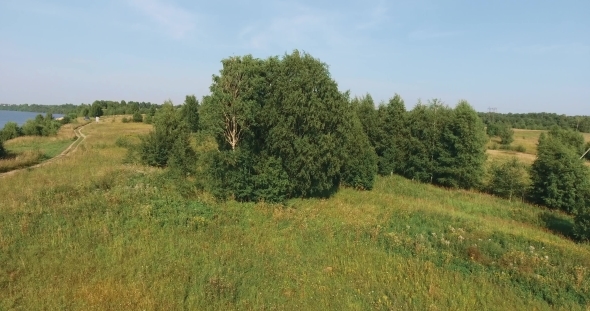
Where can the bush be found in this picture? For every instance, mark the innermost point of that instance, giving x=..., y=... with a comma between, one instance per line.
x=492, y=129
x=11, y=130
x=520, y=148
x=137, y=117
x=123, y=142
x=582, y=224
x=508, y=179
x=65, y=120
x=2, y=150
x=41, y=126
x=506, y=134
x=125, y=120
x=169, y=140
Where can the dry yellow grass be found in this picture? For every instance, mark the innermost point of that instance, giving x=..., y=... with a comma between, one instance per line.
x=526, y=138
x=24, y=159
x=66, y=132
x=506, y=154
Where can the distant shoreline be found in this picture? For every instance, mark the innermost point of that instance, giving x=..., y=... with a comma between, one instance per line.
x=20, y=117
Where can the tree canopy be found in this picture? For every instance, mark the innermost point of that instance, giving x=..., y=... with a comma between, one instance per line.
x=283, y=130
x=559, y=178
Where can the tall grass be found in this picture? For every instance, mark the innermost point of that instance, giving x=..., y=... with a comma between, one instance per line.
x=24, y=159
x=27, y=151
x=89, y=232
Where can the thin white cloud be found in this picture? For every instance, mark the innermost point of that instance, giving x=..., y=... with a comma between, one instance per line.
x=301, y=27
x=172, y=19
x=375, y=17
x=543, y=49
x=428, y=34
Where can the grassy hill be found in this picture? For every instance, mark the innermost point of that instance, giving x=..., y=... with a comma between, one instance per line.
x=90, y=232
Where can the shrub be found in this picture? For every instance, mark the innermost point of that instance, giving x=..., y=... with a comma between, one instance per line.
x=168, y=140
x=137, y=117
x=65, y=120
x=506, y=134
x=11, y=130
x=125, y=120
x=520, y=148
x=41, y=126
x=508, y=179
x=123, y=142
x=582, y=224
x=2, y=150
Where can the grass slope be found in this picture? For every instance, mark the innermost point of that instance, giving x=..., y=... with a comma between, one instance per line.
x=88, y=232
x=27, y=151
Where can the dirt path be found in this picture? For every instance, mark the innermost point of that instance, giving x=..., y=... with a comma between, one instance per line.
x=71, y=148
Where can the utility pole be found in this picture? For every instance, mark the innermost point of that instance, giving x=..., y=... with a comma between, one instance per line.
x=492, y=113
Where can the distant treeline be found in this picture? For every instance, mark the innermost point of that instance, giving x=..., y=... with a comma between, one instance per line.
x=538, y=121
x=57, y=109
x=97, y=108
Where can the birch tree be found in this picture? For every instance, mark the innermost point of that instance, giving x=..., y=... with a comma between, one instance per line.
x=229, y=111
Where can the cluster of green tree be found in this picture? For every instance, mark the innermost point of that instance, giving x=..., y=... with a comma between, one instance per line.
x=106, y=107
x=538, y=121
x=40, y=126
x=558, y=178
x=503, y=130
x=283, y=129
x=430, y=143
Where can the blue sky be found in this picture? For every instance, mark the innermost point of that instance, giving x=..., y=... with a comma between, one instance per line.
x=515, y=55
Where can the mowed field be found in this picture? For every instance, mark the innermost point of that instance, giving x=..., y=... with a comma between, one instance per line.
x=90, y=232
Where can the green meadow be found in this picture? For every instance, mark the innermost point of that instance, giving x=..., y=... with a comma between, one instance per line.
x=89, y=231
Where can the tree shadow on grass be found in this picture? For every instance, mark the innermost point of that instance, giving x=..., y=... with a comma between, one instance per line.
x=558, y=224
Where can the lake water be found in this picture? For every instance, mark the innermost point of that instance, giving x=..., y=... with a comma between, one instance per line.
x=19, y=117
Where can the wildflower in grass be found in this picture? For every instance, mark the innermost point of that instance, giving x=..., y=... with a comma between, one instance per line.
x=532, y=249
x=461, y=238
